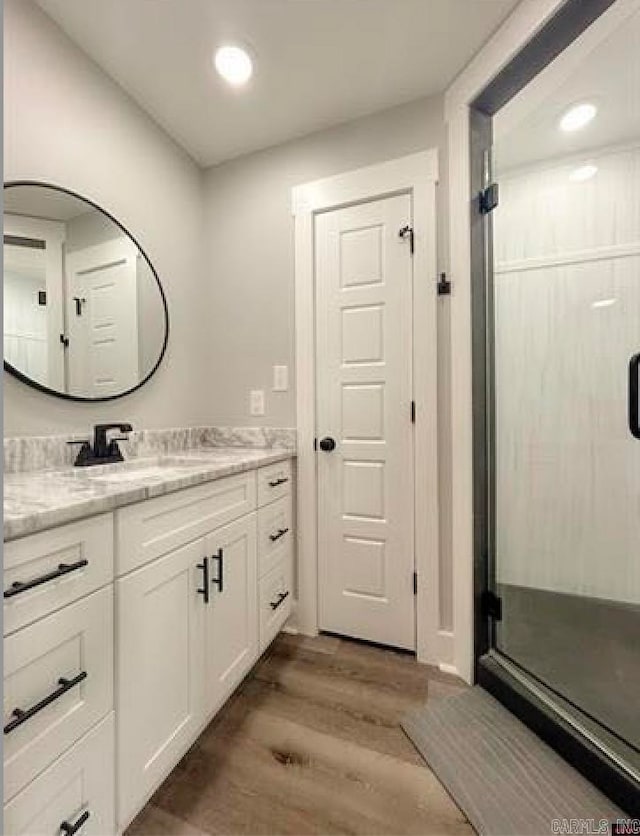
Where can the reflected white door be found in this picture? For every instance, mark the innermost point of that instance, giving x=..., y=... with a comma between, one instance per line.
x=102, y=312
x=364, y=391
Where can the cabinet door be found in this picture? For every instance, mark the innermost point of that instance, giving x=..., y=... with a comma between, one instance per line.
x=160, y=671
x=231, y=618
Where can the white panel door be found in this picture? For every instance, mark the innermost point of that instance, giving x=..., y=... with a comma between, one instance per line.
x=160, y=707
x=102, y=312
x=232, y=614
x=364, y=390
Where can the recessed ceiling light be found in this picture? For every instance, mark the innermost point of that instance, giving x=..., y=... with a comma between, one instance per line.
x=233, y=64
x=604, y=303
x=577, y=117
x=582, y=173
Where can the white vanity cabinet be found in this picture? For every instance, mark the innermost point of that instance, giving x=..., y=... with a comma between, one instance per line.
x=187, y=634
x=125, y=633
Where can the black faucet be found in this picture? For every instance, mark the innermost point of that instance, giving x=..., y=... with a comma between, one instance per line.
x=103, y=451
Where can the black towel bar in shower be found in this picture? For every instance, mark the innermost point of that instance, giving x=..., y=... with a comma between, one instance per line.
x=634, y=406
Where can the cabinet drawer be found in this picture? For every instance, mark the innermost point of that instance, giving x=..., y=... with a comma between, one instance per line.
x=48, y=570
x=275, y=535
x=155, y=527
x=276, y=593
x=43, y=677
x=80, y=782
x=274, y=481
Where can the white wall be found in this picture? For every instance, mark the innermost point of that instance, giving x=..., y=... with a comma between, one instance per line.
x=249, y=232
x=66, y=123
x=567, y=295
x=89, y=229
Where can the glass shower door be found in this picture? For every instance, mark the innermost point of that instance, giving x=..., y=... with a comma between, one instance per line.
x=566, y=339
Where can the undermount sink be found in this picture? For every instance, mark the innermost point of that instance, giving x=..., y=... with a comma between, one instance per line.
x=156, y=467
x=130, y=471
x=130, y=475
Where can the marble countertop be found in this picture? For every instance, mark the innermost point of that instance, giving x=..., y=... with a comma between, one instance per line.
x=39, y=500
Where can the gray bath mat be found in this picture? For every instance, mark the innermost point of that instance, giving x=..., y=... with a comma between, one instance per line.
x=503, y=777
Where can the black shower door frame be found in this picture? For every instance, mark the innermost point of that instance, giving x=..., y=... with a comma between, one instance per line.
x=538, y=708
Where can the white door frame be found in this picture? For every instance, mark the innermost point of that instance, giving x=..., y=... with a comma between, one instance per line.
x=417, y=175
x=516, y=31
x=53, y=233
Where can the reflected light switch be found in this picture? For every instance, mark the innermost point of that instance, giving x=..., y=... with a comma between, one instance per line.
x=280, y=378
x=256, y=402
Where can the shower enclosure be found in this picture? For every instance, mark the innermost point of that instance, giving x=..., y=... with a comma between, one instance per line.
x=556, y=365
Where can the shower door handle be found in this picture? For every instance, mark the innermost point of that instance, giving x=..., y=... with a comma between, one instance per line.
x=634, y=406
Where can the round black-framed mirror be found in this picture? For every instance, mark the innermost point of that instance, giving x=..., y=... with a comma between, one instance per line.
x=85, y=314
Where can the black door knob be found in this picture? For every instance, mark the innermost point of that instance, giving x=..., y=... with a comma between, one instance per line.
x=327, y=444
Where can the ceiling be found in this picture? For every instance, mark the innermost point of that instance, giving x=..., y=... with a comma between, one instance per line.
x=48, y=204
x=317, y=62
x=605, y=73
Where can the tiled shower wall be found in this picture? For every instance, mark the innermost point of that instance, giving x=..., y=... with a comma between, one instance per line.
x=567, y=303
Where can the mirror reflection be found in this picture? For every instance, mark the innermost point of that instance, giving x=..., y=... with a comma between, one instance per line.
x=84, y=313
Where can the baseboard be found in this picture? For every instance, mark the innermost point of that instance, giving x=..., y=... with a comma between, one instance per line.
x=445, y=667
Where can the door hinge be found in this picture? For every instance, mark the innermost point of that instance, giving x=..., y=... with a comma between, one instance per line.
x=415, y=583
x=444, y=285
x=407, y=232
x=491, y=605
x=315, y=443
x=64, y=340
x=413, y=412
x=488, y=199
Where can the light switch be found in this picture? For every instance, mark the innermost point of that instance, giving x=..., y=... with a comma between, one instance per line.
x=256, y=402
x=280, y=378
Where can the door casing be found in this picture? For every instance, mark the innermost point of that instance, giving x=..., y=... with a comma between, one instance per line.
x=417, y=175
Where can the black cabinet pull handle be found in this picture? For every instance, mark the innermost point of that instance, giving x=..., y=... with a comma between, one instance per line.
x=281, y=532
x=21, y=715
x=634, y=406
x=327, y=444
x=275, y=482
x=63, y=569
x=204, y=589
x=219, y=581
x=275, y=604
x=70, y=829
